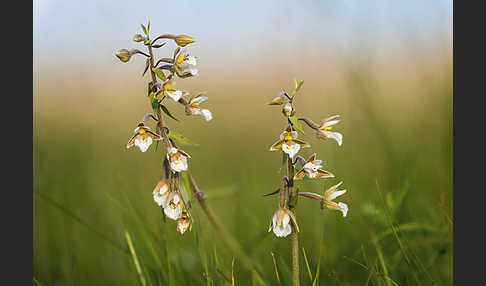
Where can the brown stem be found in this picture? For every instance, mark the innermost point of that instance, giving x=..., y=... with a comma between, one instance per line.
x=311, y=195
x=295, y=240
x=139, y=52
x=300, y=159
x=165, y=36
x=310, y=123
x=160, y=120
x=147, y=116
x=164, y=60
x=283, y=192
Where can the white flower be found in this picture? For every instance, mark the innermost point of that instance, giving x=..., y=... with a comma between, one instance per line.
x=192, y=108
x=142, y=137
x=175, y=94
x=173, y=209
x=324, y=130
x=177, y=159
x=161, y=193
x=185, y=65
x=280, y=223
x=289, y=143
x=168, y=90
x=312, y=168
x=330, y=195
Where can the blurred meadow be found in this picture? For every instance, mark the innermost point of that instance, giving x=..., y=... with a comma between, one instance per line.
x=384, y=66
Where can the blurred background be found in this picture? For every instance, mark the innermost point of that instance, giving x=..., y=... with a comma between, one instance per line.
x=384, y=66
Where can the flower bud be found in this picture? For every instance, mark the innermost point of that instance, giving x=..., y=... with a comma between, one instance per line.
x=183, y=223
x=139, y=38
x=288, y=110
x=277, y=100
x=124, y=55
x=183, y=40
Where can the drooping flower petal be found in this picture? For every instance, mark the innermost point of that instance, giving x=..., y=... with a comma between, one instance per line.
x=173, y=210
x=291, y=149
x=335, y=194
x=281, y=223
x=177, y=160
x=344, y=208
x=143, y=142
x=207, y=114
x=161, y=193
x=334, y=135
x=174, y=94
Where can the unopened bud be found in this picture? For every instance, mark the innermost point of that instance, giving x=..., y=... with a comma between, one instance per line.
x=139, y=38
x=277, y=100
x=183, y=223
x=183, y=40
x=124, y=55
x=288, y=110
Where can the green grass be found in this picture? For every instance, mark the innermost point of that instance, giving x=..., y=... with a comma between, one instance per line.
x=95, y=222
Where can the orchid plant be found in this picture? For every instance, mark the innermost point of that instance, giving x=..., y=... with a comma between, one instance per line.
x=167, y=193
x=284, y=220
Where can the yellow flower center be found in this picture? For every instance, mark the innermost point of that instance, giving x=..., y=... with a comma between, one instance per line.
x=179, y=59
x=141, y=131
x=195, y=104
x=327, y=128
x=288, y=137
x=167, y=86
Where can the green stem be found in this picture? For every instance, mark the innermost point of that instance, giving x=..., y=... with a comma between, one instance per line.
x=295, y=258
x=295, y=240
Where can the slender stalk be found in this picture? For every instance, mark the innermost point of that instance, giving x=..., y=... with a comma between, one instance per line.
x=139, y=52
x=224, y=234
x=295, y=258
x=166, y=36
x=295, y=240
x=309, y=122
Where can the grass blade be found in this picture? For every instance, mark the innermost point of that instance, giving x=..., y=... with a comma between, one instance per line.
x=135, y=259
x=276, y=269
x=307, y=264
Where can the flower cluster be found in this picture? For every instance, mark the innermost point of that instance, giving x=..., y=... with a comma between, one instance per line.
x=181, y=64
x=284, y=217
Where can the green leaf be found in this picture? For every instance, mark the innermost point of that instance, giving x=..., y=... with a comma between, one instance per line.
x=147, y=63
x=181, y=139
x=166, y=111
x=272, y=193
x=144, y=29
x=153, y=102
x=148, y=27
x=149, y=90
x=298, y=85
x=158, y=45
x=186, y=181
x=296, y=123
x=160, y=74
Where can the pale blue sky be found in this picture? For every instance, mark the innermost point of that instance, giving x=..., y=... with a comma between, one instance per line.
x=236, y=29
